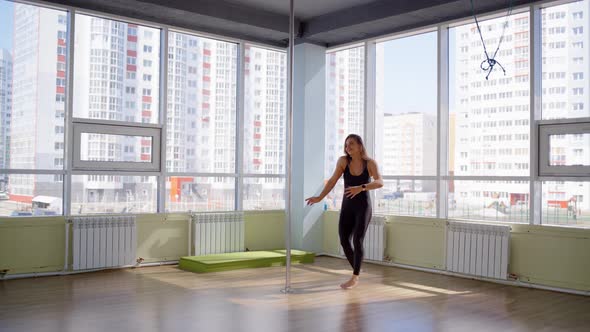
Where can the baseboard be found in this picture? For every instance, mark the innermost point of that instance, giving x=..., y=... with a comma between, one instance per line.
x=65, y=273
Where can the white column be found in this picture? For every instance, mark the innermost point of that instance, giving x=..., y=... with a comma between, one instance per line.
x=307, y=162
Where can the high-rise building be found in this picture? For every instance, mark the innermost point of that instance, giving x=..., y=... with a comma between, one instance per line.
x=5, y=110
x=407, y=141
x=265, y=104
x=116, y=78
x=491, y=115
x=38, y=99
x=264, y=126
x=201, y=104
x=566, y=94
x=201, y=124
x=345, y=89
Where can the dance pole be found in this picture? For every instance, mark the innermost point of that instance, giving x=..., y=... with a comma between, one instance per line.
x=287, y=288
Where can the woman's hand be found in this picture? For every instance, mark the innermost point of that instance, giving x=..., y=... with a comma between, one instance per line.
x=350, y=192
x=313, y=200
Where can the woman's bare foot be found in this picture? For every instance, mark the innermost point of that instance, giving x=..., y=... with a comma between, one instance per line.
x=354, y=280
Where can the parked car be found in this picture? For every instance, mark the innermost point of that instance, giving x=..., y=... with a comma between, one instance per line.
x=21, y=213
x=394, y=195
x=4, y=196
x=43, y=212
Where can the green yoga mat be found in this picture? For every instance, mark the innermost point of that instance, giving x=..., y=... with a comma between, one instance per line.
x=242, y=260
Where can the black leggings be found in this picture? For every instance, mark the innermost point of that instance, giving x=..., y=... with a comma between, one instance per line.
x=355, y=216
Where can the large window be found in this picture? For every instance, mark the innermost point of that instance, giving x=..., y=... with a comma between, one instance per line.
x=107, y=193
x=565, y=203
x=187, y=193
x=565, y=131
x=494, y=200
x=345, y=105
x=201, y=123
x=565, y=42
x=33, y=62
x=406, y=124
x=116, y=112
x=263, y=193
x=27, y=195
x=121, y=162
x=110, y=147
x=115, y=77
x=265, y=108
x=202, y=88
x=489, y=128
x=407, y=197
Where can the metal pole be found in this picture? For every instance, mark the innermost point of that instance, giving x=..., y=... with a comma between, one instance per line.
x=287, y=288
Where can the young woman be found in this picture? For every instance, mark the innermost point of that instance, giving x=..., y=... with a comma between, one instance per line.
x=355, y=214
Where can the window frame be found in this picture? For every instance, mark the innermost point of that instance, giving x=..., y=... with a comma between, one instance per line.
x=534, y=104
x=547, y=128
x=81, y=126
x=73, y=127
x=442, y=175
x=389, y=178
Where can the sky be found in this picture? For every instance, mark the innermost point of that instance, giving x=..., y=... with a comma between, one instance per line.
x=6, y=15
x=410, y=74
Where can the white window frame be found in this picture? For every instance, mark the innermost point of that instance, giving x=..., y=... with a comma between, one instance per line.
x=370, y=110
x=73, y=127
x=115, y=128
x=547, y=128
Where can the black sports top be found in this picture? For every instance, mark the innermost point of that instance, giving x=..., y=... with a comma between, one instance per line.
x=356, y=180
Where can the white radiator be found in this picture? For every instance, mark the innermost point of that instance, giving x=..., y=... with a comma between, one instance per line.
x=103, y=241
x=374, y=245
x=478, y=249
x=218, y=232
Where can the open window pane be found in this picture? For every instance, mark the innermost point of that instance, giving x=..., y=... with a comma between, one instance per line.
x=105, y=147
x=406, y=105
x=569, y=150
x=119, y=148
x=186, y=193
x=564, y=149
x=101, y=193
x=116, y=70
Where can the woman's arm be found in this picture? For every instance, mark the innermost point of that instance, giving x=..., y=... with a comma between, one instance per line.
x=340, y=167
x=374, y=173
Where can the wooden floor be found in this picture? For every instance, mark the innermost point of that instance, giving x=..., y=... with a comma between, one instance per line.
x=165, y=298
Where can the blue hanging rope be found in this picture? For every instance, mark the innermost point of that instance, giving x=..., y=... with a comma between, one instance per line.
x=489, y=63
